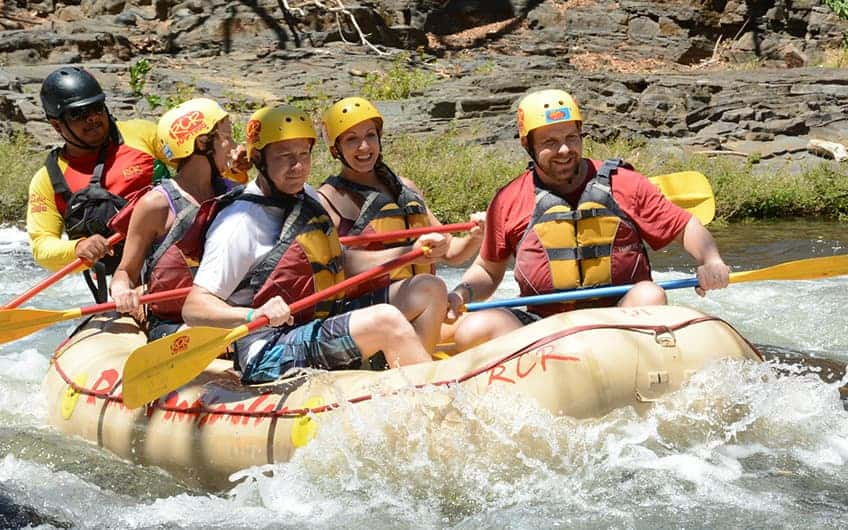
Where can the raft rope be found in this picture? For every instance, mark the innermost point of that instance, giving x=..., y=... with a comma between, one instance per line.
x=286, y=412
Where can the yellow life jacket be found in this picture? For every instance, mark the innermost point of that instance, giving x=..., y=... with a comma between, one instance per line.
x=380, y=213
x=595, y=244
x=307, y=257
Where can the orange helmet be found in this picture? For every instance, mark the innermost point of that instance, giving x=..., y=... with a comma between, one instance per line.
x=546, y=107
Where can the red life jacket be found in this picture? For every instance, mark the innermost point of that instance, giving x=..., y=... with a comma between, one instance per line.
x=166, y=267
x=379, y=213
x=307, y=257
x=593, y=245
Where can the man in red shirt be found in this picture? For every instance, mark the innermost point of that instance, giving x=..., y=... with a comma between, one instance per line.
x=83, y=183
x=572, y=222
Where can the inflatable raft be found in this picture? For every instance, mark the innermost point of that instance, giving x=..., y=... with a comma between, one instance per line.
x=581, y=364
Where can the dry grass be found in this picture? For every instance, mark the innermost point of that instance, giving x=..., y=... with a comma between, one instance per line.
x=589, y=61
x=836, y=58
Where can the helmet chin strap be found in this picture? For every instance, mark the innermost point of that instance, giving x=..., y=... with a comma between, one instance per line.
x=262, y=168
x=530, y=150
x=76, y=141
x=209, y=153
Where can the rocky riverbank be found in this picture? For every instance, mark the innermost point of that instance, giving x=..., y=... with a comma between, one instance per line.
x=737, y=79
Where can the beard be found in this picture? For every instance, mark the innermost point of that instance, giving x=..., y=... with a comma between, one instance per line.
x=562, y=173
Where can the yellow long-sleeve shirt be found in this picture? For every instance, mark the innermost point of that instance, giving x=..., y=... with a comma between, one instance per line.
x=127, y=168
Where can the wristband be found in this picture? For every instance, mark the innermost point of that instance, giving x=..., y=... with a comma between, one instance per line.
x=249, y=317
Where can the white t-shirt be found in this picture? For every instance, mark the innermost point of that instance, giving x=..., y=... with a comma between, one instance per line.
x=239, y=237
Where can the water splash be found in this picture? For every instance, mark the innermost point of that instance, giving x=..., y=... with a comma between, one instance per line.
x=460, y=459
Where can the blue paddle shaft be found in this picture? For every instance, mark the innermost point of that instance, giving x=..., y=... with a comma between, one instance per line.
x=577, y=294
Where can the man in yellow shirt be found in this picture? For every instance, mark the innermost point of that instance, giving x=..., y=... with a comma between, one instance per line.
x=83, y=184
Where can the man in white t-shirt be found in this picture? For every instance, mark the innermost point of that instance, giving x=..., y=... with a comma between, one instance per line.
x=275, y=244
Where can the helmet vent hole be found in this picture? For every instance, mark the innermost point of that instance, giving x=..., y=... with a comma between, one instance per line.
x=288, y=120
x=344, y=111
x=546, y=105
x=561, y=103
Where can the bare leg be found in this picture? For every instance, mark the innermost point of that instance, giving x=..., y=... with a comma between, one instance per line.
x=447, y=331
x=423, y=300
x=644, y=293
x=483, y=326
x=383, y=327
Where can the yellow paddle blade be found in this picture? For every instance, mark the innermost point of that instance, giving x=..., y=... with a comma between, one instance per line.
x=17, y=323
x=170, y=362
x=802, y=269
x=691, y=191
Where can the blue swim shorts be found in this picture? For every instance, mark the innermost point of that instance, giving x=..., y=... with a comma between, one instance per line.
x=325, y=344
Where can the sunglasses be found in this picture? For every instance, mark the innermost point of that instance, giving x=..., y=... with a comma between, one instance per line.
x=80, y=113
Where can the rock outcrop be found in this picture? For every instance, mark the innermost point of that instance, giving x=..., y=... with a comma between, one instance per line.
x=674, y=69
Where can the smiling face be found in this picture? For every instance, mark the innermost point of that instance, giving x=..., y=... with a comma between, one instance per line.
x=288, y=163
x=88, y=125
x=360, y=147
x=558, y=150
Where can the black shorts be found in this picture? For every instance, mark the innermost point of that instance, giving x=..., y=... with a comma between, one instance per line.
x=525, y=317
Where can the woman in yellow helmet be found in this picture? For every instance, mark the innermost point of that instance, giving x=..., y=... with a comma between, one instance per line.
x=367, y=197
x=196, y=137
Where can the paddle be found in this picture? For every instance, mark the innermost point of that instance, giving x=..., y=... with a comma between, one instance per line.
x=17, y=323
x=154, y=370
x=56, y=276
x=804, y=269
x=691, y=191
x=364, y=239
x=688, y=189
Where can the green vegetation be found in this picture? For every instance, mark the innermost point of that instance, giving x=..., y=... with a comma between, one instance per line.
x=459, y=178
x=138, y=76
x=820, y=190
x=399, y=82
x=240, y=103
x=18, y=163
x=456, y=178
x=139, y=71
x=840, y=7
x=315, y=102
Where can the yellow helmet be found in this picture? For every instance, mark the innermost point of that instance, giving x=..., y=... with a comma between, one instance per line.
x=275, y=124
x=346, y=113
x=546, y=107
x=179, y=127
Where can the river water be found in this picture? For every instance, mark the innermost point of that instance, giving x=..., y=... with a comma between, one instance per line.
x=736, y=447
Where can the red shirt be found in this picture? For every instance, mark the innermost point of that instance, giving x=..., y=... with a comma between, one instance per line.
x=658, y=219
x=126, y=171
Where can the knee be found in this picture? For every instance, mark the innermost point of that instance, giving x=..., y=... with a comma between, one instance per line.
x=430, y=286
x=392, y=322
x=645, y=293
x=474, y=329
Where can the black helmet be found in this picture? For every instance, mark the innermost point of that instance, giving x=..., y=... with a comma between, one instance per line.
x=69, y=87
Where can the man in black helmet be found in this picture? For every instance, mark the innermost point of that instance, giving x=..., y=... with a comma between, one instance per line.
x=83, y=183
